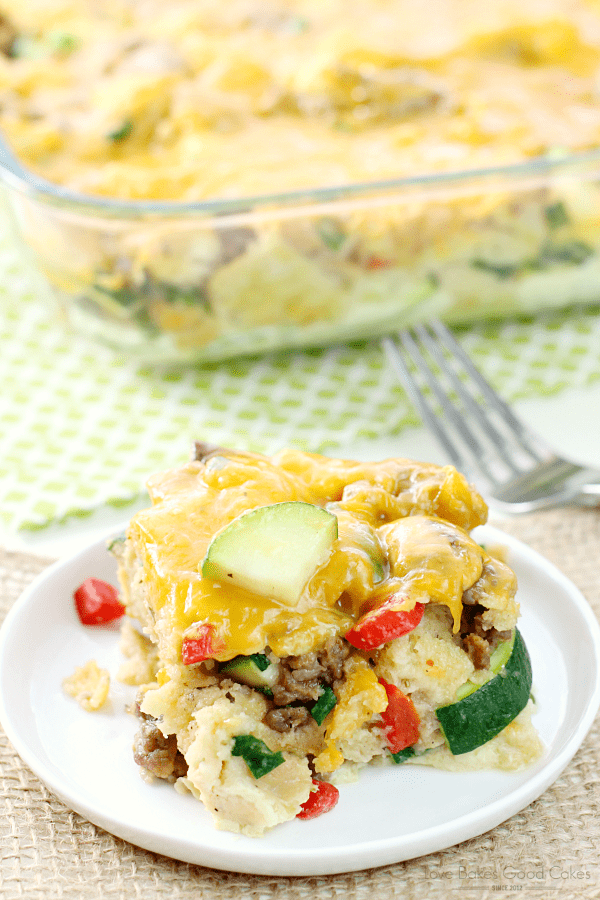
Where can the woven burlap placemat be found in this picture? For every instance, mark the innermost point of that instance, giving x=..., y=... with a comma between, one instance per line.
x=551, y=849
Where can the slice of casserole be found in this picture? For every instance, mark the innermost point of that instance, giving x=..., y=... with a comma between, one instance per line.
x=302, y=616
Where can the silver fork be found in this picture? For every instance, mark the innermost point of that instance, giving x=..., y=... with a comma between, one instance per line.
x=513, y=467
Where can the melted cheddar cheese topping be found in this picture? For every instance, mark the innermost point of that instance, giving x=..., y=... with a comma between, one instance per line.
x=142, y=99
x=402, y=527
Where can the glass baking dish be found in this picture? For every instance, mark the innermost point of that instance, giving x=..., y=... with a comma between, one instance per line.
x=168, y=282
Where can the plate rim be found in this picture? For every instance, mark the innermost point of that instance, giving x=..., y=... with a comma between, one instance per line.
x=317, y=861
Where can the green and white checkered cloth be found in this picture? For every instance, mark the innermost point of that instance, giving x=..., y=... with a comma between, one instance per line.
x=81, y=427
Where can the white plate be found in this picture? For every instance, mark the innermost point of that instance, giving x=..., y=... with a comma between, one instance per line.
x=392, y=813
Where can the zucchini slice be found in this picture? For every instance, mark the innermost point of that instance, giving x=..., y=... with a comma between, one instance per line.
x=273, y=550
x=498, y=660
x=404, y=755
x=255, y=670
x=481, y=715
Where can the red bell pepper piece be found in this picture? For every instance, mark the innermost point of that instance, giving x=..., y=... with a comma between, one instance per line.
x=384, y=623
x=400, y=719
x=377, y=262
x=97, y=602
x=202, y=644
x=321, y=800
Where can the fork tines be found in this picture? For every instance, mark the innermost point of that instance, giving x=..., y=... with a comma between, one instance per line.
x=478, y=430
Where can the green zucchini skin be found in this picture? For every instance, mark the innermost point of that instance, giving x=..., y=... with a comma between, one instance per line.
x=403, y=755
x=480, y=716
x=255, y=670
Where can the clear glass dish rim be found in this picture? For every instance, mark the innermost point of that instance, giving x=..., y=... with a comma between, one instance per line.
x=14, y=175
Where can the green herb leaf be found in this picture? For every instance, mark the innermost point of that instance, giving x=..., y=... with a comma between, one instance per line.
x=296, y=25
x=255, y=753
x=125, y=296
x=260, y=661
x=556, y=215
x=264, y=690
x=119, y=539
x=194, y=296
x=500, y=270
x=324, y=705
x=120, y=134
x=330, y=232
x=62, y=42
x=573, y=252
x=40, y=47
